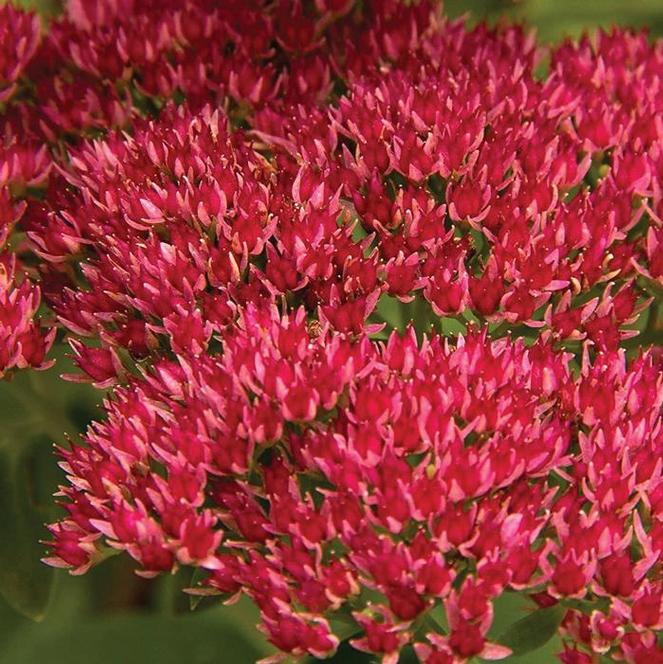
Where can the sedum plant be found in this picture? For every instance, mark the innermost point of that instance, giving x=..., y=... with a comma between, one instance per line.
x=374, y=297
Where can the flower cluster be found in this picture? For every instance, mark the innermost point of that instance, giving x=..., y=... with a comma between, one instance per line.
x=22, y=340
x=328, y=478
x=482, y=187
x=19, y=35
x=220, y=201
x=474, y=187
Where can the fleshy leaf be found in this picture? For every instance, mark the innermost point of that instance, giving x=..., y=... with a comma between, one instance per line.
x=25, y=582
x=532, y=631
x=36, y=409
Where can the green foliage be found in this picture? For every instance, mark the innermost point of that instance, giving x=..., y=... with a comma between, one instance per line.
x=36, y=409
x=141, y=636
x=533, y=631
x=397, y=315
x=24, y=581
x=77, y=634
x=556, y=19
x=47, y=8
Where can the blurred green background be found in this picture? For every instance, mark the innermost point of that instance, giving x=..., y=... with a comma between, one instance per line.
x=111, y=616
x=556, y=19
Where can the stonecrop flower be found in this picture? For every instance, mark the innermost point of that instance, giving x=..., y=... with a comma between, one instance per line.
x=23, y=342
x=223, y=205
x=329, y=477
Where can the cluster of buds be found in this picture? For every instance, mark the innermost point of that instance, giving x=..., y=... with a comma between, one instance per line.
x=473, y=196
x=23, y=342
x=331, y=477
x=103, y=63
x=19, y=39
x=217, y=198
x=481, y=187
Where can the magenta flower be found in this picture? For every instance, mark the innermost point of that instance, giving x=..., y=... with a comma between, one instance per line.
x=19, y=36
x=204, y=464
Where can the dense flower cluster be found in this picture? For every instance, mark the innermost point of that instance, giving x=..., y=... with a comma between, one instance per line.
x=220, y=200
x=474, y=185
x=22, y=341
x=327, y=477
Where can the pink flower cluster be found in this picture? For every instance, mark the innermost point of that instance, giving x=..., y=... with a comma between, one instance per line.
x=22, y=340
x=471, y=183
x=326, y=476
x=219, y=197
x=19, y=39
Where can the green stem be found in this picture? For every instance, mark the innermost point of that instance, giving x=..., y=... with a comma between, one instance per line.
x=167, y=593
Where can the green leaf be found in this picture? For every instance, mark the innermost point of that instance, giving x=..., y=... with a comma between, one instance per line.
x=652, y=286
x=200, y=594
x=47, y=8
x=132, y=638
x=36, y=409
x=389, y=310
x=586, y=606
x=25, y=582
x=532, y=631
x=40, y=404
x=344, y=626
x=398, y=315
x=452, y=327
